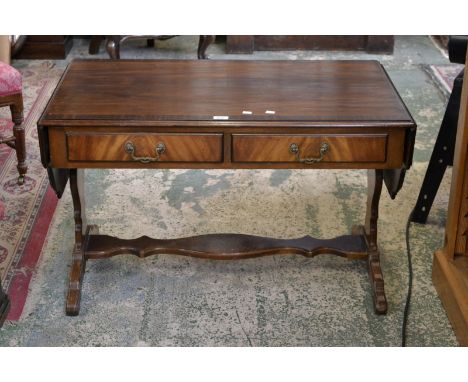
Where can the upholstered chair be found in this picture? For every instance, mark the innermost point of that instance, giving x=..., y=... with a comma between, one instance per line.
x=11, y=95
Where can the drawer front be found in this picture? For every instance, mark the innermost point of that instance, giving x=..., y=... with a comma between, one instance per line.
x=332, y=148
x=144, y=148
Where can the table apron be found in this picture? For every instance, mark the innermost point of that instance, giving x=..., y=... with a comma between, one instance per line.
x=351, y=148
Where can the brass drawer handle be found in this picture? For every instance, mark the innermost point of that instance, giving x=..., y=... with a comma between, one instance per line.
x=294, y=149
x=130, y=149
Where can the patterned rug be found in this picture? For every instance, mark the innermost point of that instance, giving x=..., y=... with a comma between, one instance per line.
x=444, y=75
x=25, y=211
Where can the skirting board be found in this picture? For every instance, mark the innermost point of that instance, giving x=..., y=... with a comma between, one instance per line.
x=450, y=279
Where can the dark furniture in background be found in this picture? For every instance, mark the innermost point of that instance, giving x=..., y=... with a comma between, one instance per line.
x=114, y=44
x=370, y=44
x=57, y=47
x=442, y=155
x=44, y=47
x=220, y=114
x=4, y=305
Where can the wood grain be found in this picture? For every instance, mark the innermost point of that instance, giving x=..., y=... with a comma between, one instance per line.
x=455, y=227
x=226, y=246
x=450, y=264
x=276, y=148
x=80, y=147
x=179, y=147
x=327, y=91
x=450, y=278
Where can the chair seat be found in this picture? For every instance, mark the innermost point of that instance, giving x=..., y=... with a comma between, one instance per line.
x=10, y=80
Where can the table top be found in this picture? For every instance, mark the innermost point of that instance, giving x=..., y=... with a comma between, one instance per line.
x=322, y=92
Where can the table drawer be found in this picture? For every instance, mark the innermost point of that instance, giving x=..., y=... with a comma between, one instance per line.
x=144, y=147
x=309, y=148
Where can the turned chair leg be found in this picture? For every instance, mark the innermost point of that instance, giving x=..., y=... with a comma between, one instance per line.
x=20, y=140
x=95, y=44
x=203, y=45
x=113, y=47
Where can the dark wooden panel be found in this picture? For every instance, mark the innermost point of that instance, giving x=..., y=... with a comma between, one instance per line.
x=226, y=246
x=379, y=44
x=309, y=42
x=247, y=44
x=337, y=92
x=45, y=47
x=240, y=44
x=276, y=148
x=50, y=38
x=177, y=147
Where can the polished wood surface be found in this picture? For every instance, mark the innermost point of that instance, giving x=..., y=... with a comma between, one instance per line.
x=213, y=114
x=276, y=148
x=337, y=92
x=75, y=147
x=450, y=265
x=178, y=147
x=226, y=246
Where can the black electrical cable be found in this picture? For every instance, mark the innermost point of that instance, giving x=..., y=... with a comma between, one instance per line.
x=410, y=283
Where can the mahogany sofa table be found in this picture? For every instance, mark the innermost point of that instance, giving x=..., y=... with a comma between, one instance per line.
x=226, y=115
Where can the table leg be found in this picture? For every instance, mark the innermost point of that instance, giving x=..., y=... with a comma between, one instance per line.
x=374, y=184
x=362, y=244
x=203, y=44
x=78, y=258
